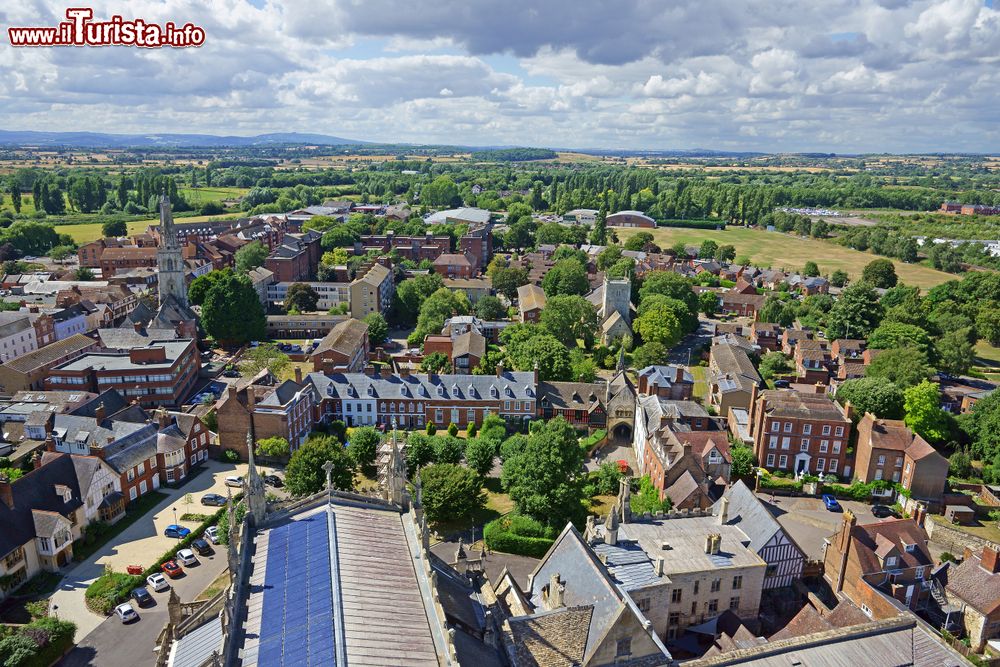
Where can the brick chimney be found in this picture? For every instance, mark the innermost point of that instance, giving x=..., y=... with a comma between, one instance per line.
x=251, y=398
x=500, y=369
x=164, y=419
x=298, y=375
x=404, y=371
x=843, y=546
x=100, y=413
x=991, y=559
x=658, y=566
x=556, y=590
x=678, y=374
x=137, y=326
x=849, y=410
x=6, y=492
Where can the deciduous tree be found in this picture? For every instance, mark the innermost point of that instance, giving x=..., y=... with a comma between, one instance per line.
x=305, y=475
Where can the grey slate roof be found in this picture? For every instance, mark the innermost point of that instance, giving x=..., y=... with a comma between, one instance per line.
x=750, y=515
x=664, y=376
x=125, y=339
x=36, y=490
x=513, y=385
x=195, y=648
x=282, y=394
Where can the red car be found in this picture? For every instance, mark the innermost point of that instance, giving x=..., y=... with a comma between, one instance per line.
x=172, y=569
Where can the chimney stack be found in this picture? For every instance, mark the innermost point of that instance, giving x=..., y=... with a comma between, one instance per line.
x=404, y=371
x=251, y=398
x=555, y=592
x=658, y=566
x=724, y=510
x=164, y=419
x=500, y=368
x=849, y=410
x=298, y=375
x=6, y=492
x=991, y=559
x=100, y=413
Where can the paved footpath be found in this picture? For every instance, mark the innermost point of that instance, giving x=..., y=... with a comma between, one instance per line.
x=141, y=543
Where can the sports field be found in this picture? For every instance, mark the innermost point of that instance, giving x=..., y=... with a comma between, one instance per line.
x=784, y=251
x=92, y=230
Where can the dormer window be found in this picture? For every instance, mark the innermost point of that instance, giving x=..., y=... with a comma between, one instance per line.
x=472, y=391
x=371, y=390
x=440, y=390
x=494, y=392
x=890, y=561
x=329, y=390
x=910, y=548
x=454, y=390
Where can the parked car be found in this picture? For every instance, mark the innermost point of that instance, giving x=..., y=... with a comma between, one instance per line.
x=233, y=480
x=201, y=546
x=215, y=499
x=212, y=534
x=883, y=511
x=126, y=613
x=141, y=596
x=172, y=569
x=175, y=531
x=157, y=582
x=831, y=503
x=273, y=480
x=781, y=384
x=187, y=557
x=231, y=374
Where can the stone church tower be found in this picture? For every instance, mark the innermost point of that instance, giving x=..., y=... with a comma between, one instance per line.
x=616, y=299
x=174, y=311
x=169, y=261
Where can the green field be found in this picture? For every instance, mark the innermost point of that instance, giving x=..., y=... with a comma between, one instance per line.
x=92, y=230
x=198, y=196
x=27, y=203
x=784, y=251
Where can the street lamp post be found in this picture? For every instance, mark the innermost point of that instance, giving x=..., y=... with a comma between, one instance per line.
x=177, y=524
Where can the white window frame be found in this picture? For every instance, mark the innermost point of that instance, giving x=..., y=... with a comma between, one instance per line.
x=783, y=461
x=770, y=460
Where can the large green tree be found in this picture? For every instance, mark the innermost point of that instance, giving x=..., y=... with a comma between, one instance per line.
x=877, y=395
x=506, y=280
x=880, y=273
x=567, y=276
x=955, y=353
x=669, y=284
x=265, y=356
x=856, y=313
x=905, y=366
x=982, y=424
x=543, y=479
x=437, y=308
x=305, y=475
x=891, y=335
x=301, y=297
x=568, y=318
x=659, y=324
x=411, y=294
x=450, y=492
x=362, y=446
x=922, y=404
x=231, y=312
x=378, y=328
x=250, y=256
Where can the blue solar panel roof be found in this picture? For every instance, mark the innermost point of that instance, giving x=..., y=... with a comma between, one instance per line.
x=296, y=626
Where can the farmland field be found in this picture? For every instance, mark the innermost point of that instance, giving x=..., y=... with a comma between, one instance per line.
x=198, y=196
x=784, y=251
x=92, y=230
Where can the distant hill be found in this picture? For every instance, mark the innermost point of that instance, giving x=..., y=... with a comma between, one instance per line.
x=99, y=140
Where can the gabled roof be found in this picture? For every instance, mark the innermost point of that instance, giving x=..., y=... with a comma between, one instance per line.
x=345, y=338
x=49, y=354
x=36, y=491
x=572, y=395
x=750, y=515
x=979, y=587
x=557, y=637
x=887, y=535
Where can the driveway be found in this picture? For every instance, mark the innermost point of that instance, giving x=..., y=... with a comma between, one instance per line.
x=112, y=644
x=808, y=522
x=141, y=543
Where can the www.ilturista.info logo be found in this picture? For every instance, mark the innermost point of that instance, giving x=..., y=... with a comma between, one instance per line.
x=80, y=30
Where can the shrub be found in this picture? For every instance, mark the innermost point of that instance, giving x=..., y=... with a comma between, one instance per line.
x=453, y=429
x=230, y=456
x=517, y=534
x=431, y=428
x=450, y=492
x=471, y=431
x=606, y=478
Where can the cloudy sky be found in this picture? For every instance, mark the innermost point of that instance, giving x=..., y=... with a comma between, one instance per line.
x=771, y=75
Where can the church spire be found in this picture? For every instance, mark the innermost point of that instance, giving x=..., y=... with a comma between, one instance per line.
x=256, y=503
x=169, y=259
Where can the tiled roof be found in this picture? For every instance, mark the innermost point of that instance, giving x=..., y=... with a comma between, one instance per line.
x=897, y=533
x=796, y=405
x=513, y=386
x=555, y=638
x=530, y=297
x=345, y=338
x=750, y=515
x=665, y=376
x=50, y=353
x=470, y=343
x=979, y=587
x=571, y=395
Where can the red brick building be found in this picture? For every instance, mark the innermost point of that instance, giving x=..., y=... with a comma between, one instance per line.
x=296, y=258
x=161, y=373
x=801, y=433
x=126, y=258
x=454, y=265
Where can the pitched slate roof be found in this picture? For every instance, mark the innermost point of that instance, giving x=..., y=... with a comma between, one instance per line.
x=792, y=404
x=665, y=376
x=750, y=515
x=36, y=491
x=572, y=395
x=126, y=338
x=470, y=343
x=513, y=385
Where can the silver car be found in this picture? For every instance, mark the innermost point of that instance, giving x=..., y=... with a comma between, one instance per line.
x=126, y=613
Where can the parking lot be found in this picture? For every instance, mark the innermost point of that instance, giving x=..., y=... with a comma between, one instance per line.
x=808, y=522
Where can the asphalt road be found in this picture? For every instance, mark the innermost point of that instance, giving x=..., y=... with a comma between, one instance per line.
x=113, y=644
x=808, y=522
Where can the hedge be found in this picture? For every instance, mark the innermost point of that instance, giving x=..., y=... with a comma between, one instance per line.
x=519, y=535
x=112, y=588
x=692, y=224
x=37, y=644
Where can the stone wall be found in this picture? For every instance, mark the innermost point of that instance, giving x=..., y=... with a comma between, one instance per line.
x=953, y=539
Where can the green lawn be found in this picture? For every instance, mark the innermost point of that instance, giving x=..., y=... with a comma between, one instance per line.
x=27, y=203
x=987, y=355
x=700, y=374
x=785, y=251
x=198, y=196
